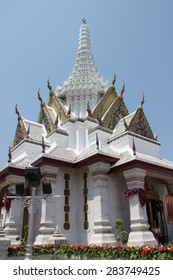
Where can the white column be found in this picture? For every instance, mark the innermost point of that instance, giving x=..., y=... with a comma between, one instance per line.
x=47, y=223
x=14, y=219
x=102, y=229
x=140, y=234
x=28, y=255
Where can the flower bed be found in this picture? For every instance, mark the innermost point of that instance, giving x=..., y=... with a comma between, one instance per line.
x=99, y=252
x=20, y=250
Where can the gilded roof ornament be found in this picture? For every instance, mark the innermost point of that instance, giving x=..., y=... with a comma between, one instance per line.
x=43, y=145
x=17, y=112
x=88, y=109
x=49, y=86
x=125, y=124
x=122, y=90
x=97, y=141
x=40, y=98
x=142, y=101
x=9, y=155
x=134, y=148
x=114, y=80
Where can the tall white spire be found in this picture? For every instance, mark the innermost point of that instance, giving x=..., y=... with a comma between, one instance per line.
x=85, y=82
x=84, y=39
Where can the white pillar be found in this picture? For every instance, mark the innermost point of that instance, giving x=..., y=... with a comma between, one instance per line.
x=102, y=229
x=14, y=219
x=28, y=255
x=140, y=234
x=46, y=228
x=48, y=211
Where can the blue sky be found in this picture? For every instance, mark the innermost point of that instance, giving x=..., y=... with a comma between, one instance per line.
x=133, y=38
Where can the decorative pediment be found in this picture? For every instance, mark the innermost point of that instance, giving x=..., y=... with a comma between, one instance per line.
x=106, y=100
x=140, y=125
x=115, y=113
x=45, y=117
x=21, y=132
x=58, y=106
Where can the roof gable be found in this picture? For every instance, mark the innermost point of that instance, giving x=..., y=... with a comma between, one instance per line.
x=106, y=100
x=21, y=132
x=58, y=106
x=140, y=125
x=116, y=112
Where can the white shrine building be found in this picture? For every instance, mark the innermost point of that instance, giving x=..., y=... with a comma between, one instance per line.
x=103, y=163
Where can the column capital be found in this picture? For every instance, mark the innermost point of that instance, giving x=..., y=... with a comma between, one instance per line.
x=49, y=171
x=134, y=173
x=99, y=167
x=135, y=177
x=14, y=179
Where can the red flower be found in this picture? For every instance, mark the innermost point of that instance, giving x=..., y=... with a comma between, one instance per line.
x=170, y=249
x=116, y=246
x=141, y=192
x=161, y=248
x=143, y=253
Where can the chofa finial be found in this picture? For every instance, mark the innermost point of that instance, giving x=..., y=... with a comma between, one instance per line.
x=9, y=155
x=125, y=124
x=17, y=112
x=122, y=90
x=134, y=148
x=142, y=101
x=88, y=109
x=114, y=80
x=97, y=141
x=40, y=98
x=43, y=145
x=49, y=86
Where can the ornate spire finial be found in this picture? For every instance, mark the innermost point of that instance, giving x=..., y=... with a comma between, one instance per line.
x=125, y=124
x=88, y=109
x=84, y=20
x=97, y=141
x=122, y=90
x=40, y=98
x=43, y=145
x=114, y=80
x=134, y=148
x=142, y=101
x=17, y=112
x=9, y=155
x=49, y=86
